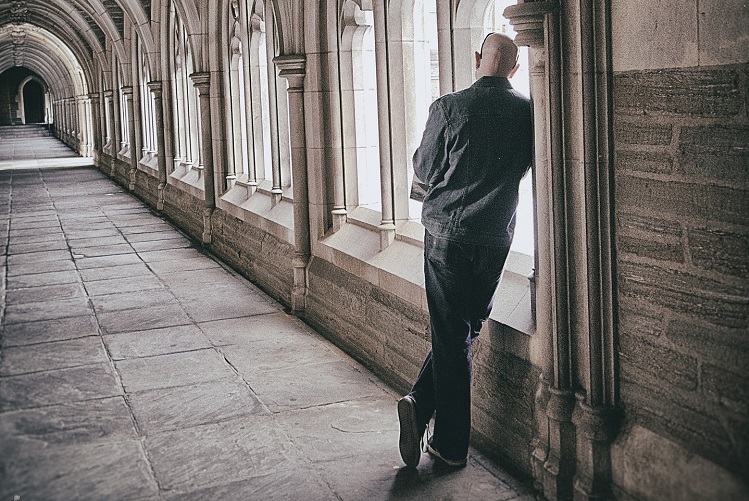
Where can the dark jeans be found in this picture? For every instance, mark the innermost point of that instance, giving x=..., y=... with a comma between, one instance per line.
x=461, y=280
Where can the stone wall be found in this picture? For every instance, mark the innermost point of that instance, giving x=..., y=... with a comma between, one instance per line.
x=682, y=210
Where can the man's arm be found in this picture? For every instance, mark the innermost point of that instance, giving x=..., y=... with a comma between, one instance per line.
x=429, y=158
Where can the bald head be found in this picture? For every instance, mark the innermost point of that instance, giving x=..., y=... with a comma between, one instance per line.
x=498, y=57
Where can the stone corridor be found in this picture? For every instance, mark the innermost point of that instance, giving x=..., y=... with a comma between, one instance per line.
x=135, y=366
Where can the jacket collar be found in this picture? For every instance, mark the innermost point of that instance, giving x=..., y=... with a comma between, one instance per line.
x=500, y=82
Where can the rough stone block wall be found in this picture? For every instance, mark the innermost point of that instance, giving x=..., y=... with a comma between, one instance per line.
x=257, y=255
x=682, y=212
x=146, y=187
x=184, y=210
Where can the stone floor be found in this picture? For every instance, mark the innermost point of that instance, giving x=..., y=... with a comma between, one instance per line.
x=135, y=366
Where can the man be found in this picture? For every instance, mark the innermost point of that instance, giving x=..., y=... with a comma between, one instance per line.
x=476, y=147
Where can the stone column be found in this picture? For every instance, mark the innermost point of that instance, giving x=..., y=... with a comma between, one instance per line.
x=576, y=402
x=96, y=126
x=202, y=82
x=128, y=93
x=109, y=97
x=83, y=132
x=387, y=223
x=156, y=88
x=292, y=67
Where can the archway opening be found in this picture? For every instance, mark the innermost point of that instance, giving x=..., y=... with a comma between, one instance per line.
x=33, y=102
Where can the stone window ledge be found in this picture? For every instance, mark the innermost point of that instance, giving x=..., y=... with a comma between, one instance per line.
x=259, y=211
x=188, y=179
x=150, y=164
x=399, y=269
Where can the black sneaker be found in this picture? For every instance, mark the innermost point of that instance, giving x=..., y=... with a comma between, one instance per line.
x=410, y=438
x=455, y=463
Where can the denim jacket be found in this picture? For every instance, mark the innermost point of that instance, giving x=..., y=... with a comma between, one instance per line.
x=476, y=147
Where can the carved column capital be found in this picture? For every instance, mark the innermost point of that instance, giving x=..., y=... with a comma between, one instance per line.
x=155, y=88
x=127, y=91
x=202, y=82
x=292, y=68
x=527, y=20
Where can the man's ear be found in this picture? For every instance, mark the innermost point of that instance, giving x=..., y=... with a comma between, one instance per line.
x=514, y=70
x=478, y=59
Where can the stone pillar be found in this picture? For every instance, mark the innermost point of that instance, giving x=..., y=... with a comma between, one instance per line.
x=156, y=88
x=202, y=82
x=292, y=68
x=111, y=141
x=82, y=135
x=576, y=403
x=387, y=223
x=96, y=126
x=128, y=93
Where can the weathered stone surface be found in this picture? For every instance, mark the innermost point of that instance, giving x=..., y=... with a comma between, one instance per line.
x=729, y=347
x=49, y=330
x=161, y=244
x=653, y=364
x=188, y=264
x=142, y=319
x=320, y=384
x=49, y=293
x=53, y=355
x=62, y=308
x=38, y=257
x=31, y=247
x=278, y=351
x=279, y=486
x=182, y=407
x=205, y=455
x=124, y=271
x=331, y=432
x=178, y=369
x=75, y=422
x=107, y=261
x=642, y=133
x=122, y=285
x=643, y=462
x=42, y=278
x=240, y=331
x=133, y=300
x=77, y=472
x=650, y=237
x=216, y=305
x=41, y=267
x=688, y=92
x=720, y=250
x=685, y=293
x=692, y=200
x=156, y=342
x=715, y=152
x=58, y=386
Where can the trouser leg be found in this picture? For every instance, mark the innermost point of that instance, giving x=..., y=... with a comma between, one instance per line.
x=460, y=283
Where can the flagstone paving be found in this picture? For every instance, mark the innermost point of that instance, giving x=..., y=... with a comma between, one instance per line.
x=133, y=365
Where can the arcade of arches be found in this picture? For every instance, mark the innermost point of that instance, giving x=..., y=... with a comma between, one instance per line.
x=278, y=134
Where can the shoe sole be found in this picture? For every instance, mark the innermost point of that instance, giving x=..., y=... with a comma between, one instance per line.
x=409, y=442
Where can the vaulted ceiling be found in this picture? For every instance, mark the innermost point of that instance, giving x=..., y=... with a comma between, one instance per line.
x=64, y=41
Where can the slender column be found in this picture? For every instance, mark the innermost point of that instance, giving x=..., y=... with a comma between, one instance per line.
x=387, y=224
x=128, y=93
x=292, y=68
x=80, y=102
x=574, y=309
x=202, y=82
x=156, y=88
x=96, y=125
x=553, y=454
x=112, y=141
